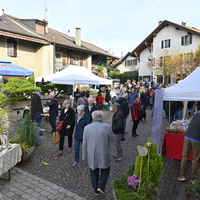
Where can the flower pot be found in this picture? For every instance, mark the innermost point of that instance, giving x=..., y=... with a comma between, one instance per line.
x=26, y=155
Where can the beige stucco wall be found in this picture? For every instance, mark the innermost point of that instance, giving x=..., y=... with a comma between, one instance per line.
x=33, y=56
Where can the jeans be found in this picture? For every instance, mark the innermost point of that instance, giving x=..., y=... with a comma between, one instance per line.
x=171, y=118
x=124, y=129
x=62, y=139
x=152, y=111
x=108, y=106
x=37, y=117
x=52, y=121
x=76, y=149
x=99, y=182
x=135, y=125
x=187, y=147
x=118, y=145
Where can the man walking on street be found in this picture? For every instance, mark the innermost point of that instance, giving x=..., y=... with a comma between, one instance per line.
x=96, y=150
x=125, y=110
x=91, y=107
x=131, y=98
x=191, y=142
x=118, y=128
x=53, y=111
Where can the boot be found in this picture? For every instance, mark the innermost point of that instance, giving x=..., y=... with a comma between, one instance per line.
x=69, y=149
x=59, y=153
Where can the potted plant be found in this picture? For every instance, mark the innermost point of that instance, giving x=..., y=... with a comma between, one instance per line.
x=193, y=190
x=27, y=137
x=142, y=178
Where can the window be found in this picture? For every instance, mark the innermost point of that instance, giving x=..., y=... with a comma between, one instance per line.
x=11, y=47
x=127, y=63
x=130, y=62
x=165, y=43
x=186, y=40
x=76, y=61
x=58, y=59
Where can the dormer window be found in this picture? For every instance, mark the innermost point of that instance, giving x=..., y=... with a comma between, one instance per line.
x=40, y=28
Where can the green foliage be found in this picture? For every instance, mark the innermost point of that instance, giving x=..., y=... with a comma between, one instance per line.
x=28, y=131
x=86, y=88
x=18, y=89
x=111, y=70
x=56, y=88
x=123, y=77
x=100, y=69
x=155, y=165
x=131, y=169
x=3, y=100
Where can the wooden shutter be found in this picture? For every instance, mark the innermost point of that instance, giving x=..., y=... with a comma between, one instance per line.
x=191, y=39
x=169, y=41
x=182, y=40
x=10, y=47
x=71, y=60
x=162, y=43
x=81, y=61
x=15, y=48
x=64, y=60
x=169, y=79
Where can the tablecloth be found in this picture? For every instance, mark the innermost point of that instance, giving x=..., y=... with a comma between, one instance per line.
x=174, y=146
x=10, y=158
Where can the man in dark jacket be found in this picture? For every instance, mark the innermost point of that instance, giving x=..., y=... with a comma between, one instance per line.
x=131, y=98
x=125, y=110
x=91, y=107
x=36, y=106
x=53, y=111
x=118, y=128
x=191, y=142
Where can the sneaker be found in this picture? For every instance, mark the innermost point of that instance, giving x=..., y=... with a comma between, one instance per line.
x=96, y=193
x=75, y=164
x=100, y=190
x=123, y=139
x=119, y=159
x=59, y=153
x=136, y=134
x=181, y=178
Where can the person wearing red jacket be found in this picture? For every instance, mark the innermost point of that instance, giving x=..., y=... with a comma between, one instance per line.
x=100, y=100
x=136, y=115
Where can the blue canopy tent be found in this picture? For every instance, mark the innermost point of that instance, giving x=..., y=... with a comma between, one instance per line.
x=8, y=69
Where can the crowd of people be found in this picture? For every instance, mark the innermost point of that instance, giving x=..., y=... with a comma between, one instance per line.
x=86, y=121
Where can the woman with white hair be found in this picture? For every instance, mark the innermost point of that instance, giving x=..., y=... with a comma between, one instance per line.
x=67, y=114
x=82, y=120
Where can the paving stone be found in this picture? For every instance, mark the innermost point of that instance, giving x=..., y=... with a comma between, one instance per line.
x=44, y=193
x=26, y=196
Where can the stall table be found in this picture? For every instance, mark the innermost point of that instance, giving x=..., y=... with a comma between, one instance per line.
x=174, y=146
x=9, y=159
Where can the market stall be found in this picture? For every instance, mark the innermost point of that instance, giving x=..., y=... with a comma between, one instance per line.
x=186, y=90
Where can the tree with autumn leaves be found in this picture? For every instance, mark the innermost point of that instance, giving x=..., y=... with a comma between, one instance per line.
x=177, y=64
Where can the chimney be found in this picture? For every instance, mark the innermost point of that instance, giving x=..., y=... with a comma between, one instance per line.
x=46, y=29
x=183, y=23
x=160, y=22
x=69, y=33
x=78, y=36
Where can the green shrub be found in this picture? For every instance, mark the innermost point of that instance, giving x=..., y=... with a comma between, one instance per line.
x=123, y=77
x=28, y=130
x=155, y=165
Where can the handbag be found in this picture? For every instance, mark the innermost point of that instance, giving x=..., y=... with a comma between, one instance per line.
x=56, y=137
x=60, y=124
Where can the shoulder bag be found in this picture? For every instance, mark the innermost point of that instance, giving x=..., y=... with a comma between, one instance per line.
x=60, y=123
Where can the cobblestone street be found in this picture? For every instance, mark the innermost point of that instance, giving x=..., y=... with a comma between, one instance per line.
x=59, y=180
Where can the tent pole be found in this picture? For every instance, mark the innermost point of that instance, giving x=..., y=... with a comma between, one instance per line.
x=169, y=112
x=73, y=96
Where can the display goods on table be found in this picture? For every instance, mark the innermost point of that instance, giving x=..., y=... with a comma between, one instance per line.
x=178, y=127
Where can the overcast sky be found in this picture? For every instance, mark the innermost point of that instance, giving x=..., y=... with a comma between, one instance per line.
x=110, y=24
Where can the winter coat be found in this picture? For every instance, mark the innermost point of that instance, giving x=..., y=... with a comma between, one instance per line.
x=107, y=97
x=79, y=127
x=69, y=120
x=36, y=104
x=96, y=145
x=53, y=104
x=193, y=131
x=132, y=97
x=82, y=100
x=99, y=99
x=190, y=104
x=173, y=108
x=118, y=122
x=136, y=111
x=153, y=99
x=123, y=106
x=89, y=113
x=144, y=99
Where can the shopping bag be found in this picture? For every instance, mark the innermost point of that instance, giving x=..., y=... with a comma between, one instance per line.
x=56, y=137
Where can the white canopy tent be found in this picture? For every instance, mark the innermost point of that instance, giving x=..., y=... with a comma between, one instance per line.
x=74, y=75
x=186, y=90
